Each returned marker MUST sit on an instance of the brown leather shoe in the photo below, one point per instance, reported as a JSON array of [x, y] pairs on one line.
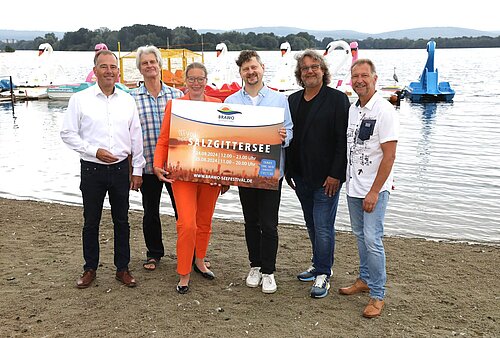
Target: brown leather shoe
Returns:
[[374, 308], [358, 287], [126, 278], [86, 279]]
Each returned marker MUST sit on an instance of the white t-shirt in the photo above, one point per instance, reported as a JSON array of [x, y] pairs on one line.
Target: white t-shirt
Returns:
[[368, 127]]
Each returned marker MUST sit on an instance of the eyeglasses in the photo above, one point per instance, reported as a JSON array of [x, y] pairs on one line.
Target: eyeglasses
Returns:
[[314, 68], [196, 79]]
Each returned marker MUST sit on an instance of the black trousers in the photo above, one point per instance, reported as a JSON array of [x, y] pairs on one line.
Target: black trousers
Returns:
[[96, 181], [151, 224], [260, 210]]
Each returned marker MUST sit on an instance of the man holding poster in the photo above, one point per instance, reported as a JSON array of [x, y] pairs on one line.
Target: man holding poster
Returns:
[[260, 206]]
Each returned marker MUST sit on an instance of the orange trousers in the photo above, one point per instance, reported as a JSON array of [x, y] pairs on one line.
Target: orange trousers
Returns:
[[195, 207]]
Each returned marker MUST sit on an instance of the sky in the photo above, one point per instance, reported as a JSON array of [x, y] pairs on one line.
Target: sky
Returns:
[[366, 16]]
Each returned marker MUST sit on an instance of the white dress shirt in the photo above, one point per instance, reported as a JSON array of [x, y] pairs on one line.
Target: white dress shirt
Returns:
[[94, 120]]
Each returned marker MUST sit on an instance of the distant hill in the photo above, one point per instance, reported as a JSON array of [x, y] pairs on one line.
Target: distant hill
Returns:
[[284, 31], [434, 32], [413, 34], [25, 35]]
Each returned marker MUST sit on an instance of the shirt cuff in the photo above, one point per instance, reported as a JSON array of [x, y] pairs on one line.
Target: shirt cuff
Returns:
[[137, 171], [92, 151]]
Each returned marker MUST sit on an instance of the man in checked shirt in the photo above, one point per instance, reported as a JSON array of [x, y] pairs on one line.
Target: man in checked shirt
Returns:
[[151, 98]]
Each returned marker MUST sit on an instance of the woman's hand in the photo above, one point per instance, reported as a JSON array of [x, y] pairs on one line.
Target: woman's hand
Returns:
[[162, 175]]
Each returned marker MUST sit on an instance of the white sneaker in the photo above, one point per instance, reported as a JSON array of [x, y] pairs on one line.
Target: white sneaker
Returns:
[[254, 277], [268, 283]]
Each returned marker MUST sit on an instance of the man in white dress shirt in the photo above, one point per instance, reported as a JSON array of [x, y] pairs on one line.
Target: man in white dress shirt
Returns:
[[102, 125]]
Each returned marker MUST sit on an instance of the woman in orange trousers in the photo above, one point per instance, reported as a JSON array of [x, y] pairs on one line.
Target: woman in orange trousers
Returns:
[[195, 201]]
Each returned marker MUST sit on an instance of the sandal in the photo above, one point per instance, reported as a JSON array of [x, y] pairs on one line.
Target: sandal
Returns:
[[151, 263]]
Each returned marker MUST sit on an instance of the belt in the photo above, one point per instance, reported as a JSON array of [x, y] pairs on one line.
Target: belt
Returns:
[[99, 166]]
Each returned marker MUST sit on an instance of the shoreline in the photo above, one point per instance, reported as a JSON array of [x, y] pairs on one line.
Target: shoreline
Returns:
[[434, 288], [285, 225]]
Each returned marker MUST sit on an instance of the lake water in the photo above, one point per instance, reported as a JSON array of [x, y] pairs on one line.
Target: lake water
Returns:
[[447, 172]]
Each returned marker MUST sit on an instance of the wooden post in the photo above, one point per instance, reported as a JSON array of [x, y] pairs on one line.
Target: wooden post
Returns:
[[12, 97]]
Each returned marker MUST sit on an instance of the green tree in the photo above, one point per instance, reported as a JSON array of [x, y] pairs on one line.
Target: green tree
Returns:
[[210, 40], [313, 43], [233, 38], [298, 43], [185, 37], [51, 38], [146, 39], [134, 36], [79, 40], [266, 41], [127, 35]]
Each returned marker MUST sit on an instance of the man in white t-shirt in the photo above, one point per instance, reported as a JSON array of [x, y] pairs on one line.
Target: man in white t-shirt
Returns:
[[372, 136]]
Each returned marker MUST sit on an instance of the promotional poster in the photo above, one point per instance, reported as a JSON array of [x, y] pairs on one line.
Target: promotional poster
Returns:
[[228, 144]]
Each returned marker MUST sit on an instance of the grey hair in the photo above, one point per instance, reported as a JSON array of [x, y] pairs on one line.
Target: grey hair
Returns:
[[148, 50], [103, 52], [369, 62], [316, 57], [194, 65]]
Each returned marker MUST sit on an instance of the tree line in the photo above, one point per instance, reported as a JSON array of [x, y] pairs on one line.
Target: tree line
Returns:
[[132, 37]]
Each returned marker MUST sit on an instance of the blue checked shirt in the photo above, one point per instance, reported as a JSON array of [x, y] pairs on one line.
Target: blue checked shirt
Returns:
[[151, 112]]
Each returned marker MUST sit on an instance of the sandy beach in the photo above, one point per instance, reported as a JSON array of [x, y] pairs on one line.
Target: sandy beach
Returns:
[[434, 289]]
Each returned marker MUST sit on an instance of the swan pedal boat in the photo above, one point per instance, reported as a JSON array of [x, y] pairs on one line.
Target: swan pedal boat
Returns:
[[393, 94]]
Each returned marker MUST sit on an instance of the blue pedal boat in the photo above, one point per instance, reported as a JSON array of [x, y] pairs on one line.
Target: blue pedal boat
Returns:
[[427, 89]]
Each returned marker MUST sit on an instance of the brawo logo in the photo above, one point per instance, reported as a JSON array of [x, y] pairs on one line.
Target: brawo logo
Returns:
[[226, 113]]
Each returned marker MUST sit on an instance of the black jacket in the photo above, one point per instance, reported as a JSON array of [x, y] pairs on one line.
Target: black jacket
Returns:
[[323, 138]]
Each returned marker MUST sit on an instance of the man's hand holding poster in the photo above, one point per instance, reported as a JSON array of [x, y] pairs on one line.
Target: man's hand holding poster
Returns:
[[227, 144]]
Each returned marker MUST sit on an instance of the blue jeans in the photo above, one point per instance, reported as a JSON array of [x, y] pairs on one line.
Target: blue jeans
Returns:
[[368, 227], [319, 211], [96, 181]]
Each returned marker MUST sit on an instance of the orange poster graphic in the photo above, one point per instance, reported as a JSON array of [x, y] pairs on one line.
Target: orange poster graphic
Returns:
[[225, 144]]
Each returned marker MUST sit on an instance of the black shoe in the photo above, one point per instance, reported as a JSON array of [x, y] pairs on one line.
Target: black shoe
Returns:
[[182, 289], [205, 260], [208, 275]]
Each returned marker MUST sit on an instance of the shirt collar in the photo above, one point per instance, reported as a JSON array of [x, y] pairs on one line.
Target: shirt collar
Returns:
[[187, 96], [143, 91], [262, 92], [369, 105], [98, 91]]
